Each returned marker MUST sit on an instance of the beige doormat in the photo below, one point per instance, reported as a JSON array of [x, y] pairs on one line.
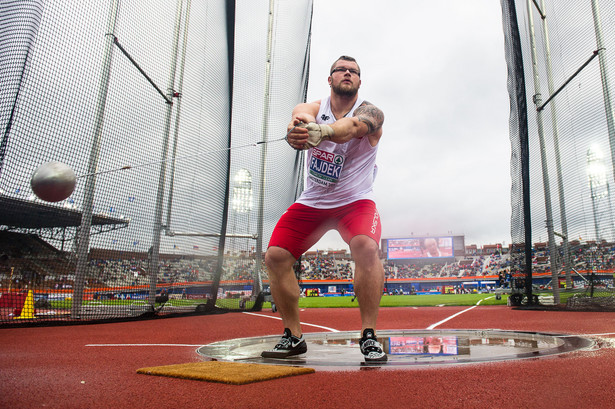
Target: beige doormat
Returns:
[[225, 372]]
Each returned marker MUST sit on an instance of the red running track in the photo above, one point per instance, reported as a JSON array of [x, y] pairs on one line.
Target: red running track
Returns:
[[57, 367]]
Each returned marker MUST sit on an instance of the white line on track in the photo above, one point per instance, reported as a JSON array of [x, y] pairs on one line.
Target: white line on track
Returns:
[[302, 323], [432, 326], [200, 345], [143, 345], [325, 328]]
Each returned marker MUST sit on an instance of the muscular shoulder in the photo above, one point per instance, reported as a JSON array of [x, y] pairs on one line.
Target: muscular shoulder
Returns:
[[370, 115], [310, 108]]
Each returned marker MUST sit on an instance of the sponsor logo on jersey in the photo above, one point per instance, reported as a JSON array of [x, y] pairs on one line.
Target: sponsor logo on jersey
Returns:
[[325, 167]]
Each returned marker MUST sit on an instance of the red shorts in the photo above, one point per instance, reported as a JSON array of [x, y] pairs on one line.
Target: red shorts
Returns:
[[301, 226]]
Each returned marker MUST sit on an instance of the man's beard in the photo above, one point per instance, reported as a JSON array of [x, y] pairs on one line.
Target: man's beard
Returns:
[[344, 91]]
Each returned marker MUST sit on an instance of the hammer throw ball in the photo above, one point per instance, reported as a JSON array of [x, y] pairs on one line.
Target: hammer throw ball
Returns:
[[53, 181]]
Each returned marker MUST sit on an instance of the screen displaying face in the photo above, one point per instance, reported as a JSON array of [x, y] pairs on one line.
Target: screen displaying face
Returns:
[[444, 345], [422, 247]]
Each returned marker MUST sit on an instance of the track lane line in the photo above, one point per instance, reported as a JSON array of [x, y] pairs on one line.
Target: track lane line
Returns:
[[432, 326], [302, 323], [200, 345], [143, 345], [586, 335]]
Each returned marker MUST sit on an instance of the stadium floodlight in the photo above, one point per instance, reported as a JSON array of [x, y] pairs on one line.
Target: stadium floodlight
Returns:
[[241, 202], [596, 171], [598, 183], [242, 191], [242, 198], [595, 166]]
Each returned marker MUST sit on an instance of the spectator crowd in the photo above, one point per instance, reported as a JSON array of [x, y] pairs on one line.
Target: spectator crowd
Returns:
[[35, 263]]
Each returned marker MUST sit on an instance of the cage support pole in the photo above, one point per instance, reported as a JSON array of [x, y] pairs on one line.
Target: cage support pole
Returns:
[[83, 237], [558, 162], [608, 106], [180, 87], [258, 286], [543, 160], [154, 252]]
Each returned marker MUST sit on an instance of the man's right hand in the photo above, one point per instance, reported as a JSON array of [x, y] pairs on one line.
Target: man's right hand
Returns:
[[297, 136], [316, 133]]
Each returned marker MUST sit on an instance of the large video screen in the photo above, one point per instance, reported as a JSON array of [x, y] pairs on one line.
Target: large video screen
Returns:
[[446, 345], [420, 247]]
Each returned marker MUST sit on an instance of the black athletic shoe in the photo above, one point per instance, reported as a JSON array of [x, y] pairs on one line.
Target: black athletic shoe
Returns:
[[289, 345], [371, 348]]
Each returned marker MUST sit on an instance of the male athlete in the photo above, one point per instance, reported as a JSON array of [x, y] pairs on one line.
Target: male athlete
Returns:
[[341, 134]]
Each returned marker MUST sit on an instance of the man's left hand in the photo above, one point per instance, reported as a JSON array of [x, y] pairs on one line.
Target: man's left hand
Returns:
[[316, 133]]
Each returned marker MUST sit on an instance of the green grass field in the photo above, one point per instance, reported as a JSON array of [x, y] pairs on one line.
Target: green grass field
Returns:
[[427, 300], [329, 302]]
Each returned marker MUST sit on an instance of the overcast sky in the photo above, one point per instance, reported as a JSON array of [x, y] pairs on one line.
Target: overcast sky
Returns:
[[437, 70]]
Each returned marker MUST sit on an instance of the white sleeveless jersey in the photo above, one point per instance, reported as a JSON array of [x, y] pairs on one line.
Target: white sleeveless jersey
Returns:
[[339, 174]]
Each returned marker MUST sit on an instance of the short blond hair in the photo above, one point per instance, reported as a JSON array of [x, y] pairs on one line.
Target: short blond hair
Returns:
[[344, 58]]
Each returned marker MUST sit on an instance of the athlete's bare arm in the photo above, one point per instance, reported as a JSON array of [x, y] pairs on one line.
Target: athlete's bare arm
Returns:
[[306, 113], [367, 121]]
